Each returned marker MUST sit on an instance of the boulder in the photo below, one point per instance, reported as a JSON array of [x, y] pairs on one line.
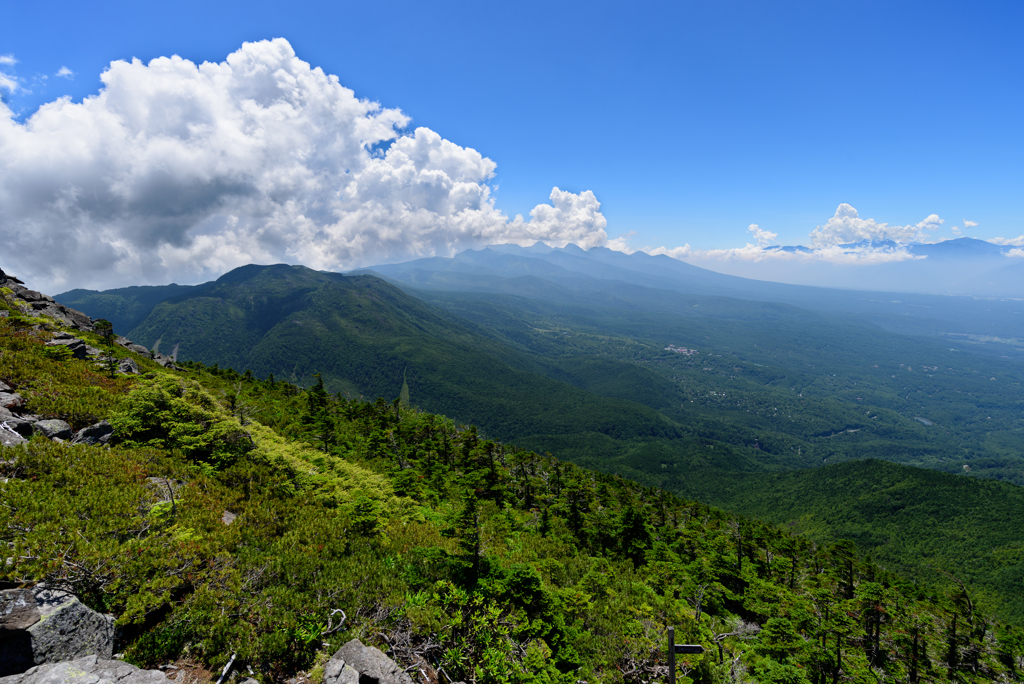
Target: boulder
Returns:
[[18, 610], [30, 295], [4, 387], [100, 433], [11, 400], [64, 315], [52, 429], [368, 664], [10, 438], [21, 424], [139, 349], [128, 367], [7, 279], [88, 670], [76, 346], [66, 629], [336, 671]]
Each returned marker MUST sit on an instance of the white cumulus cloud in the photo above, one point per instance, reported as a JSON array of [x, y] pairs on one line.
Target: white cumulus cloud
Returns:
[[764, 238], [1016, 242], [847, 227], [180, 171], [834, 242], [64, 72]]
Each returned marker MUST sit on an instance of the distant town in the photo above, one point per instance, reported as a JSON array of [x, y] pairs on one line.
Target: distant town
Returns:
[[681, 350]]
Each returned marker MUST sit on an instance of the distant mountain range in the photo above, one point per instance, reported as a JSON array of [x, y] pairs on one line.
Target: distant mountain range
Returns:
[[640, 279], [963, 266]]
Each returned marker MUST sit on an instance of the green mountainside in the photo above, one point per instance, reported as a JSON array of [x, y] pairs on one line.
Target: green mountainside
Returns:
[[125, 307], [580, 369], [917, 522], [464, 557], [366, 338]]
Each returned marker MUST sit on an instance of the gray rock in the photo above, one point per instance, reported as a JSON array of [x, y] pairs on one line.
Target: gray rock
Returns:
[[372, 666], [52, 429], [228, 517], [11, 400], [10, 438], [337, 672], [18, 610], [140, 350], [128, 367], [64, 315], [88, 670], [92, 351], [5, 314], [22, 425], [100, 433], [76, 346], [4, 387], [66, 629], [6, 279]]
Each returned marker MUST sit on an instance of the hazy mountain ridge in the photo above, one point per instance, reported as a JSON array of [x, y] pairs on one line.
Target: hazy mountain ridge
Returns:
[[979, 268]]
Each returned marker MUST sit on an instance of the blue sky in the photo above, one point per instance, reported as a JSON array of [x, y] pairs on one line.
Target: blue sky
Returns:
[[688, 122]]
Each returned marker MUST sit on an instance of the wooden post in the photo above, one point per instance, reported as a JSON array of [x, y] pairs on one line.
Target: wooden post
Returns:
[[671, 655]]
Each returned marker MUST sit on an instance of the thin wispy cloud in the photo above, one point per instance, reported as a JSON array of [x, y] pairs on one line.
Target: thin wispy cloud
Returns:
[[181, 171], [8, 81]]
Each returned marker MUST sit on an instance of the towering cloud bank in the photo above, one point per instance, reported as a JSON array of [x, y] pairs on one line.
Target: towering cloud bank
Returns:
[[182, 171], [846, 227]]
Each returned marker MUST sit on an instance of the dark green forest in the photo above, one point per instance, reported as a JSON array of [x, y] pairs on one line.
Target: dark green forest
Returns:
[[464, 556]]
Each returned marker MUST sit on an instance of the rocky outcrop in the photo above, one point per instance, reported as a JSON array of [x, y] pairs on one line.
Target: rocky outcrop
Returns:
[[18, 610], [33, 303], [100, 433], [8, 437], [132, 347], [11, 400], [43, 625], [128, 367], [53, 429], [355, 663], [87, 670], [78, 348]]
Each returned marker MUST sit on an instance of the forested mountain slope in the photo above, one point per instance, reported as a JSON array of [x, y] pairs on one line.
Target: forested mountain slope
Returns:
[[368, 338], [583, 372], [464, 557], [918, 522]]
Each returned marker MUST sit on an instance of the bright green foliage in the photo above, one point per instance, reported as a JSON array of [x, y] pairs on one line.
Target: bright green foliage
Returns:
[[52, 383], [169, 413]]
